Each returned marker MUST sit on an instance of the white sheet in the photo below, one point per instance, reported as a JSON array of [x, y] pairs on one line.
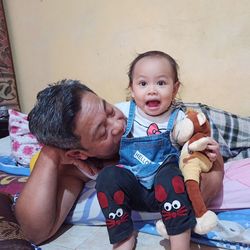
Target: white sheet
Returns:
[[5, 146]]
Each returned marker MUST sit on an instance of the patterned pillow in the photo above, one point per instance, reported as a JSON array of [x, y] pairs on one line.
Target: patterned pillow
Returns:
[[11, 236], [23, 144]]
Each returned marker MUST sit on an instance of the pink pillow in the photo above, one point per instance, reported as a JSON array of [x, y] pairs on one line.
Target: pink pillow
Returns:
[[23, 144], [236, 186]]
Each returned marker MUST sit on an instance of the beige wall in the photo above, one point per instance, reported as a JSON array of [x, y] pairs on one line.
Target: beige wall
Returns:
[[95, 40]]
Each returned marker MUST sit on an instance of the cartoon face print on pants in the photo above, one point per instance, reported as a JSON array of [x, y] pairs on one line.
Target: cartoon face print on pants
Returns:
[[117, 215], [171, 208]]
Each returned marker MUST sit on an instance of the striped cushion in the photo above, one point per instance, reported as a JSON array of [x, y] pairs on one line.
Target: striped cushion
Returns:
[[231, 131]]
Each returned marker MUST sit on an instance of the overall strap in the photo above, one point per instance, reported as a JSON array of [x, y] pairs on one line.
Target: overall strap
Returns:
[[130, 120], [172, 119]]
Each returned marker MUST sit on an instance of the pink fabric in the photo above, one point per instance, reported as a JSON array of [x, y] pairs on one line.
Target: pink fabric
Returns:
[[23, 144], [236, 187]]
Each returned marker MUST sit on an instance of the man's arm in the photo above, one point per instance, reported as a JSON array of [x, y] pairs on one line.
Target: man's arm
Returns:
[[48, 196]]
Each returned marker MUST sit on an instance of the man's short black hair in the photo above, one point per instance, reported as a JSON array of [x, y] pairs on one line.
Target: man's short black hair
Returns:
[[52, 119]]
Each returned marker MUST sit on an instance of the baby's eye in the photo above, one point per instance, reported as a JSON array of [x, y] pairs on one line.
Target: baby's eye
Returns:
[[142, 83], [161, 83]]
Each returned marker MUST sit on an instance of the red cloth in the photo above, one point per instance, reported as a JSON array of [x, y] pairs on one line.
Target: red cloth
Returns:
[[11, 184]]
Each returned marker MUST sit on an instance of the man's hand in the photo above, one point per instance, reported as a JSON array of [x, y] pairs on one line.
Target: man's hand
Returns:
[[213, 150], [211, 182], [89, 167]]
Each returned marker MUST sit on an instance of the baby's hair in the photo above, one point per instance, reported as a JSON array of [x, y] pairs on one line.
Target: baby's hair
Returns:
[[153, 53]]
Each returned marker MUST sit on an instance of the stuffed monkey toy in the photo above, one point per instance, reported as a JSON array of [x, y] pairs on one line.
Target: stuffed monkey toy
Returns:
[[193, 133]]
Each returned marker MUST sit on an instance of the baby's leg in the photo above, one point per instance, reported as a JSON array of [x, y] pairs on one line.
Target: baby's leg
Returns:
[[127, 244], [115, 189], [180, 241], [175, 207]]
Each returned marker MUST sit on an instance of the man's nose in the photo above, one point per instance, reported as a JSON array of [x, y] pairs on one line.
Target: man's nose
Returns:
[[117, 125]]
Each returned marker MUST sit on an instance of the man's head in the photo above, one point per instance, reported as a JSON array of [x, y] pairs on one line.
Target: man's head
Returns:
[[70, 116]]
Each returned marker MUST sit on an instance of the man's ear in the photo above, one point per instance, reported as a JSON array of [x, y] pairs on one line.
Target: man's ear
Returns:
[[77, 154]]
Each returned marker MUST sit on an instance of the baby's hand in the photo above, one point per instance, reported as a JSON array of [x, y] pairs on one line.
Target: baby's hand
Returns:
[[213, 150]]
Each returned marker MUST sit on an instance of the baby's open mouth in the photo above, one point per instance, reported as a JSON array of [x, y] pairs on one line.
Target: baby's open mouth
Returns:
[[153, 103]]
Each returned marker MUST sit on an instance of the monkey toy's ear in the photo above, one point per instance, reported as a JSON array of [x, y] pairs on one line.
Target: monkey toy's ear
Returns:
[[201, 118], [183, 131]]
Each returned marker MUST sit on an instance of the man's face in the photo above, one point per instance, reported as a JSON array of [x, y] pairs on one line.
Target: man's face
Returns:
[[100, 126]]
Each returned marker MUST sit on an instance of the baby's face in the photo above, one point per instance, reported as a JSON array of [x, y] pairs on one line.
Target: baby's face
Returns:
[[100, 126], [153, 87]]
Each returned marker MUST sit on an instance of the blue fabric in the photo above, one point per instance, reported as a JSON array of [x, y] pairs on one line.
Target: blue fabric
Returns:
[[9, 165], [232, 232], [144, 155]]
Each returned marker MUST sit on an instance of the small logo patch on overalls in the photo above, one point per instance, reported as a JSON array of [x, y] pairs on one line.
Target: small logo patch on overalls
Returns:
[[141, 158]]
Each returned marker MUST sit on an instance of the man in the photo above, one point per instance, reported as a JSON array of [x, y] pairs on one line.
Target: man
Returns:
[[77, 128]]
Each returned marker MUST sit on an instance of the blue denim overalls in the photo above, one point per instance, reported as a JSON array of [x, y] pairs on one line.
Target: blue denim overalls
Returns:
[[144, 155]]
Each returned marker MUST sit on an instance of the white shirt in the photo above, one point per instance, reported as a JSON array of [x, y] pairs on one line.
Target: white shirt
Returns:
[[142, 121]]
